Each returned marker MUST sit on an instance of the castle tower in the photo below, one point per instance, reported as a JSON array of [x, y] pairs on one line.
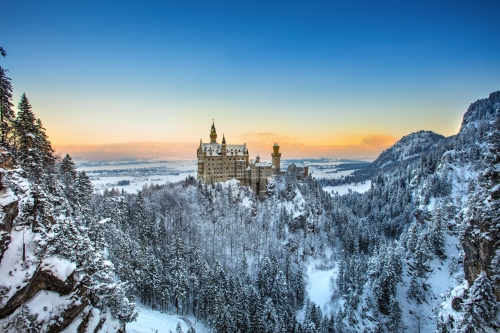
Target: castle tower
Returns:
[[306, 169], [213, 134], [276, 159], [223, 145]]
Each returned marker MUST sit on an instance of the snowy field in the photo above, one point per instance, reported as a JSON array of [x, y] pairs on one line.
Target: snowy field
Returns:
[[319, 285], [149, 321], [343, 189], [99, 174]]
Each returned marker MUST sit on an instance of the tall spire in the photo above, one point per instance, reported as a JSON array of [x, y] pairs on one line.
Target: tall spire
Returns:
[[213, 133], [223, 139]]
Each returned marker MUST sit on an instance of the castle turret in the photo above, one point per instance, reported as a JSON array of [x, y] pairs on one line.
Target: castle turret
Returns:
[[223, 145], [276, 159], [306, 169], [213, 134]]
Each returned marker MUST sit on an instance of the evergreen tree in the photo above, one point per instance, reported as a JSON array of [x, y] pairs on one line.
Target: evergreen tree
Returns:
[[178, 271], [394, 322], [480, 307], [6, 111], [25, 127], [269, 317], [436, 232], [223, 321], [69, 176], [84, 191]]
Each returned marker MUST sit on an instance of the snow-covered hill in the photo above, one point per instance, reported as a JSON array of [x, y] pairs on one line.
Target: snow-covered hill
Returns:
[[410, 146]]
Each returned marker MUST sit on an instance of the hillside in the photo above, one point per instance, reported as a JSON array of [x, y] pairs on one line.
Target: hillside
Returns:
[[408, 147], [405, 150], [53, 276]]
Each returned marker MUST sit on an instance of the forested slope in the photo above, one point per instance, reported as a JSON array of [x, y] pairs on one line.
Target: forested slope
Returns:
[[52, 277]]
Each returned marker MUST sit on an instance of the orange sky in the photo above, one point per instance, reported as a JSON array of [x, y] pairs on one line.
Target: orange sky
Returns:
[[369, 146]]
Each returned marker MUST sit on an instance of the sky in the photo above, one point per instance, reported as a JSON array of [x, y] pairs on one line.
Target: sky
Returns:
[[145, 79]]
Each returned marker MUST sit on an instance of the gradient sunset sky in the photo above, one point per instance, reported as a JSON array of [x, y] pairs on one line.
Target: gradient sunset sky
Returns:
[[117, 79]]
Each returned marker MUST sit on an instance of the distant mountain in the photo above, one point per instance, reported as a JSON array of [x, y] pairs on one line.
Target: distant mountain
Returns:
[[482, 109], [409, 147]]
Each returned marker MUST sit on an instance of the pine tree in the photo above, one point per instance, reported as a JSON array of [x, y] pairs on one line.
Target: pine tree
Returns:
[[411, 238], [178, 271], [28, 144], [395, 314], [223, 321], [69, 175], [6, 111], [67, 170], [26, 129], [480, 307], [269, 317], [421, 268], [280, 292], [84, 191], [436, 232], [45, 147]]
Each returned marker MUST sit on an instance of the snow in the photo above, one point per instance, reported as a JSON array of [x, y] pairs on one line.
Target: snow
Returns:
[[343, 189], [94, 320], [60, 268], [150, 320], [73, 327], [319, 285], [111, 324], [440, 281], [7, 197], [15, 273], [48, 303], [179, 171]]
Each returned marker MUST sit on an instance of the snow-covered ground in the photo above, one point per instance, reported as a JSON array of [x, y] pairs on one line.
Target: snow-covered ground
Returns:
[[328, 169], [343, 189], [178, 170], [319, 285], [149, 321], [137, 183]]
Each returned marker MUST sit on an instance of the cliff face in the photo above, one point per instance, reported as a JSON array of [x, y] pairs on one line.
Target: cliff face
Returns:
[[481, 240], [44, 286], [479, 253], [482, 109]]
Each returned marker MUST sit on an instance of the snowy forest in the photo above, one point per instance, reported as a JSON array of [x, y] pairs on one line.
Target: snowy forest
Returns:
[[418, 252]]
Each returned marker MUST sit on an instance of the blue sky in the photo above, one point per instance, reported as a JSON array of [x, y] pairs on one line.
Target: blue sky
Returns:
[[316, 73]]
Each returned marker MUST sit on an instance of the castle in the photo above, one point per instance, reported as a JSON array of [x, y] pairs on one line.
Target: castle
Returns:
[[221, 162]]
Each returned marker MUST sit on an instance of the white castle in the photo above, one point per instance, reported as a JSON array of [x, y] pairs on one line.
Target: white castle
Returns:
[[218, 162]]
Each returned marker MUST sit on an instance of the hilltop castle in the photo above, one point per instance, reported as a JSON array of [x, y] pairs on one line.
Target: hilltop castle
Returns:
[[221, 162]]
